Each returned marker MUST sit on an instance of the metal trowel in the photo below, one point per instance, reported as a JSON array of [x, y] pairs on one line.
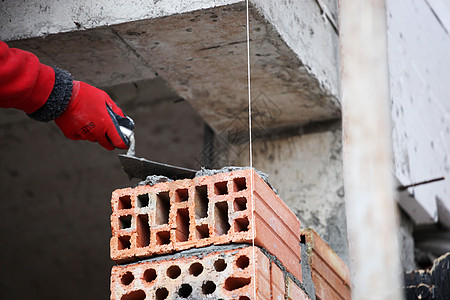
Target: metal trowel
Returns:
[[141, 168]]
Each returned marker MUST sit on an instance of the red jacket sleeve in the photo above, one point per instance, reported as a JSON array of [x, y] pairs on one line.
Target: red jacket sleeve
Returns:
[[25, 83]]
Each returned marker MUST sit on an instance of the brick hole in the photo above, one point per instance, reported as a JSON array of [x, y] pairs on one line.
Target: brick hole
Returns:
[[239, 184], [202, 231], [135, 295], [244, 298], [220, 188], [201, 201], [173, 272], [163, 237], [234, 283], [125, 222], [302, 239], [240, 204], [143, 231], [125, 202], [150, 275], [221, 218], [208, 287], [124, 242], [196, 269], [162, 208], [127, 278], [143, 200], [185, 290], [161, 294], [181, 195], [241, 224], [220, 265], [243, 262], [182, 230]]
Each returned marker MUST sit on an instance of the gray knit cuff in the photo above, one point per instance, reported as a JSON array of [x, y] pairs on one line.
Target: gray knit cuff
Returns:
[[59, 98]]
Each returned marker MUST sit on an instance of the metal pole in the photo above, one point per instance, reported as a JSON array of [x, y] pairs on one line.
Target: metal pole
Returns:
[[367, 151]]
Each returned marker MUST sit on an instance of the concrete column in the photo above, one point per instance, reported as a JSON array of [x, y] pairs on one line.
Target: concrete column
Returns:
[[367, 151]]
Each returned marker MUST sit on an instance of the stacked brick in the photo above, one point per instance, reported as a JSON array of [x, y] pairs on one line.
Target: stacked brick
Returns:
[[218, 273], [329, 273], [190, 239]]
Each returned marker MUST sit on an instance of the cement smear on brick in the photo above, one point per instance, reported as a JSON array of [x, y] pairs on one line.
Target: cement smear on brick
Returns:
[[154, 179], [297, 281], [208, 172], [197, 252]]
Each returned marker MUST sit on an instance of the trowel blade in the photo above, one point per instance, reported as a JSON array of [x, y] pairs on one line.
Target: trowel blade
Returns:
[[141, 168]]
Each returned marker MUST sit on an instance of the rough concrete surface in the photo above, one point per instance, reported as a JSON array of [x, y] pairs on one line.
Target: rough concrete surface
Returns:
[[304, 27], [306, 170], [98, 56], [32, 18], [316, 19], [200, 55]]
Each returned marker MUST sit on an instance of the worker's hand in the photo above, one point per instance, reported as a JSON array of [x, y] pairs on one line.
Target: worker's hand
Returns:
[[92, 115]]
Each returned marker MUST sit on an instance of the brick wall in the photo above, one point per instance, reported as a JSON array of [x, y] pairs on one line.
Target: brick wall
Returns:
[[195, 239]]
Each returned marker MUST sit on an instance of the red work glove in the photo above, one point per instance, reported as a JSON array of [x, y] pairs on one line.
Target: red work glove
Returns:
[[92, 115]]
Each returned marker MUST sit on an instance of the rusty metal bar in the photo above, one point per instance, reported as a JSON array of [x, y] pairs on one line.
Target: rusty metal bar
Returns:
[[367, 151]]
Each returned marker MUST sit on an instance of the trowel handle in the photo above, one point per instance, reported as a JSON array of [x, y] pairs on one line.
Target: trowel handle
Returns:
[[130, 136], [126, 131]]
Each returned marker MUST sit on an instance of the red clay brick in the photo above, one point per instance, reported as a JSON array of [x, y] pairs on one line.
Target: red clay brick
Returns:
[[294, 292], [330, 274], [263, 269], [224, 274], [324, 291], [332, 280], [277, 282], [203, 211], [279, 240]]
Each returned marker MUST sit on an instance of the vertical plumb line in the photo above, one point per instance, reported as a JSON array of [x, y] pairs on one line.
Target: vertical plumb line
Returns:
[[367, 151], [250, 147]]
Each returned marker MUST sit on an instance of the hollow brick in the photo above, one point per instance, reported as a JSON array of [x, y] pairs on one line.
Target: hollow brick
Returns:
[[294, 292], [330, 274], [207, 210], [219, 274], [277, 280]]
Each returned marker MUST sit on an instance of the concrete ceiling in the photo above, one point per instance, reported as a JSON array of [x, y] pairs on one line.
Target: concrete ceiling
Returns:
[[200, 56]]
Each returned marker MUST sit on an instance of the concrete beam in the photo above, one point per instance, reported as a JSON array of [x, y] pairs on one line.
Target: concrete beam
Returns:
[[35, 18], [202, 56]]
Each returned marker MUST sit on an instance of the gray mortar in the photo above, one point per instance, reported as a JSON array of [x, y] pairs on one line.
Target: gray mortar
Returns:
[[301, 285], [154, 179], [307, 286], [306, 273], [196, 296], [208, 172], [197, 252]]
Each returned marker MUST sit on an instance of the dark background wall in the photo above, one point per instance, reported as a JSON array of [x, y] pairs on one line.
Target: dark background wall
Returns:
[[55, 198]]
